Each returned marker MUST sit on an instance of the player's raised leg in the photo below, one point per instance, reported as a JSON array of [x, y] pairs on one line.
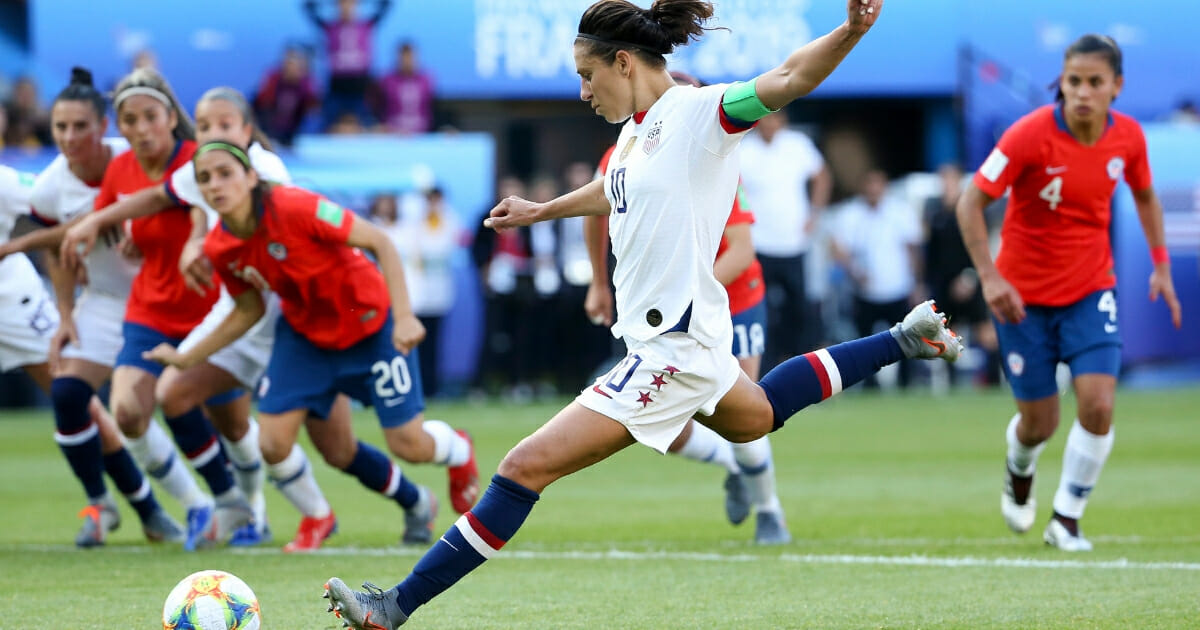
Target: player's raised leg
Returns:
[[575, 438]]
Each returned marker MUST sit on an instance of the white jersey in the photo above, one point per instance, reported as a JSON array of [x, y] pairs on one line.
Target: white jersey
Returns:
[[185, 190], [60, 196], [15, 270], [671, 183]]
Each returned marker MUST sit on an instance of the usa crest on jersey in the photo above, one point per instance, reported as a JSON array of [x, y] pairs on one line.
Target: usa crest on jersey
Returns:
[[653, 137]]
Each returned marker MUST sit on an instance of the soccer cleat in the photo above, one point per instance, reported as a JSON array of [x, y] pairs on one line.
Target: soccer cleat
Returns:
[[1057, 535], [98, 519], [160, 527], [771, 530], [464, 480], [257, 531], [311, 533], [737, 498], [227, 517], [924, 335], [199, 522], [251, 534], [376, 609], [1018, 516], [418, 519]]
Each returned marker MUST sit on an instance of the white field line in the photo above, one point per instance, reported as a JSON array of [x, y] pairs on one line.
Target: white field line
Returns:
[[685, 556]]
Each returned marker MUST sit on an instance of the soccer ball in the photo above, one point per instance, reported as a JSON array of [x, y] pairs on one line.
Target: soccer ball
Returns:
[[211, 600]]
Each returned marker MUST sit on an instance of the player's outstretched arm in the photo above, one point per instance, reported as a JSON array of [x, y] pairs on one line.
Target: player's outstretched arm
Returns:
[[42, 238], [81, 237], [809, 65], [248, 308], [514, 212], [407, 330], [1151, 215], [1001, 297]]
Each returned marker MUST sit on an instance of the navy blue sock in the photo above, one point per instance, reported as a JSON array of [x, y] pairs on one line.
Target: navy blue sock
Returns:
[[77, 436], [374, 470], [196, 438], [813, 377], [473, 538], [130, 481]]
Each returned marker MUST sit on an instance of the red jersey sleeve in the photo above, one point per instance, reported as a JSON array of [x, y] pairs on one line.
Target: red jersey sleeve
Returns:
[[1137, 172], [741, 209], [602, 168], [326, 221], [217, 250], [1008, 159], [107, 195]]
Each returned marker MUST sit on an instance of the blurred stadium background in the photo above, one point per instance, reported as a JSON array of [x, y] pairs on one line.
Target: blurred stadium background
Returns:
[[935, 83]]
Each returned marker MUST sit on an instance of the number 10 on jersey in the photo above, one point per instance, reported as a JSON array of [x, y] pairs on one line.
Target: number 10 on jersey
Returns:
[[616, 189]]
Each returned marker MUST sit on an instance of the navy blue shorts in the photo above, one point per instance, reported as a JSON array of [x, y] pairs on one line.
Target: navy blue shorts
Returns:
[[302, 376], [750, 331], [139, 339], [1083, 335]]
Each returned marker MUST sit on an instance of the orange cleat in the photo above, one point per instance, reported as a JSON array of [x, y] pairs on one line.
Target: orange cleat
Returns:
[[311, 533], [464, 480]]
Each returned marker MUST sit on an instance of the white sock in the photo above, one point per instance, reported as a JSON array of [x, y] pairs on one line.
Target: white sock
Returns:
[[247, 462], [449, 448], [155, 453], [1083, 459], [754, 459], [705, 445], [1021, 459], [293, 476]]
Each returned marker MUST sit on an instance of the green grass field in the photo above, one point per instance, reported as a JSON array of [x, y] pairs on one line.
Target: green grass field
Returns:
[[892, 501]]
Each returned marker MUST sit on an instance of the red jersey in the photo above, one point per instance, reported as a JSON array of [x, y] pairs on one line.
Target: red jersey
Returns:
[[158, 298], [330, 292], [1055, 236], [747, 289]]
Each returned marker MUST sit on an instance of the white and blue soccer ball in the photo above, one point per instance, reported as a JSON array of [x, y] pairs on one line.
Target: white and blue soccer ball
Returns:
[[211, 600]]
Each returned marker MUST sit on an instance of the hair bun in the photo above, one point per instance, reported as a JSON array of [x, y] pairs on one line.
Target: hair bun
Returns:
[[81, 76]]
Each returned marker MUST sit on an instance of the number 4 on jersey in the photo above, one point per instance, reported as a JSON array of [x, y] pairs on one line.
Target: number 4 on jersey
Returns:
[[1052, 193]]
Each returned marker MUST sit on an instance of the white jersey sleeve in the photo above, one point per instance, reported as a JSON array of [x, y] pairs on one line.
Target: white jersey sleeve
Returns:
[[703, 116], [15, 191], [184, 189]]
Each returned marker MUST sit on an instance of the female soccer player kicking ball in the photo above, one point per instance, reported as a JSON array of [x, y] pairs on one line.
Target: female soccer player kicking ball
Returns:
[[1052, 287], [667, 192]]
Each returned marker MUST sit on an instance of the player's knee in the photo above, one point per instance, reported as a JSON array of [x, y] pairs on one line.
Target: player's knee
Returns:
[[335, 455], [274, 450], [1097, 411], [130, 416], [523, 467], [175, 397]]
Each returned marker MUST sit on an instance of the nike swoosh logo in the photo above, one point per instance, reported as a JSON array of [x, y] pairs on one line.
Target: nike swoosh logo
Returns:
[[393, 402], [1055, 170], [596, 388], [1110, 328], [941, 347]]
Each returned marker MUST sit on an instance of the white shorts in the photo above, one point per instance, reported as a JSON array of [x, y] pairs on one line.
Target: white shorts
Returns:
[[28, 320], [246, 359], [98, 318], [660, 384]]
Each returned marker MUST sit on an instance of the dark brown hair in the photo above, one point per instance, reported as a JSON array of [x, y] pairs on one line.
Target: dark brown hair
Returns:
[[81, 88], [611, 25], [1093, 44]]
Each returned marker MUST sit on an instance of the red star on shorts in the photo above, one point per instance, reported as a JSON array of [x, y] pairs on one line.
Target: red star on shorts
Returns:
[[671, 369], [659, 381], [645, 399]]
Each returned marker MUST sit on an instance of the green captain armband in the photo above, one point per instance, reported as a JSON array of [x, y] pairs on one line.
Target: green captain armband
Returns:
[[741, 102]]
